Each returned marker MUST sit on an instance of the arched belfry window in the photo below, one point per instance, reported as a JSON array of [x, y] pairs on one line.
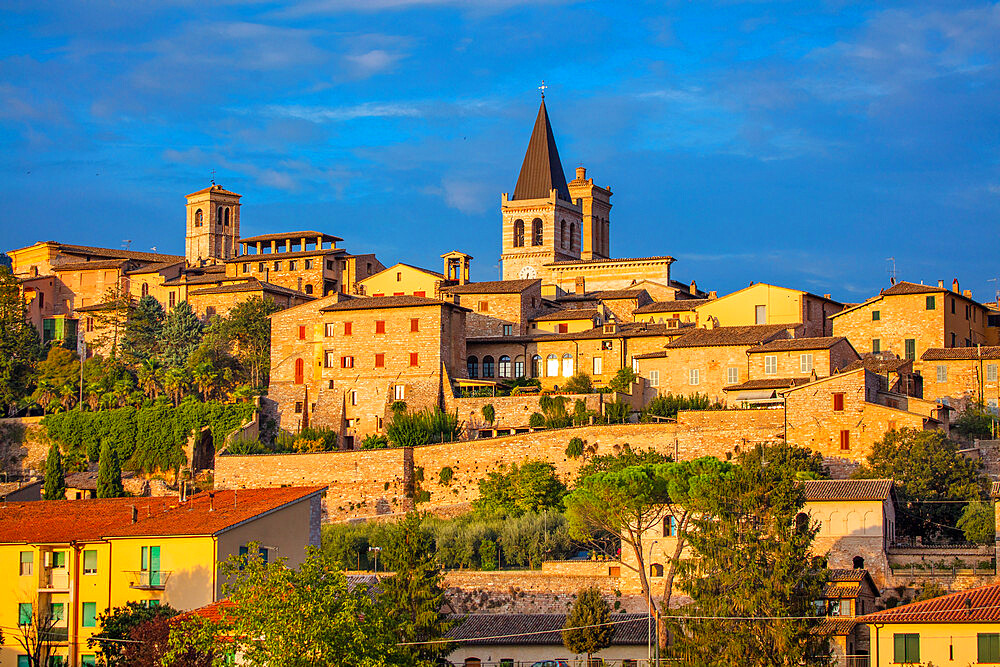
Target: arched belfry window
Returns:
[[218, 216], [519, 233], [199, 218], [572, 236], [562, 234], [145, 289], [226, 218], [536, 231]]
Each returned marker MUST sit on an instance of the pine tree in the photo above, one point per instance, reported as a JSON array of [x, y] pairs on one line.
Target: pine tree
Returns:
[[180, 336], [109, 473], [20, 348], [415, 593], [579, 634], [55, 476]]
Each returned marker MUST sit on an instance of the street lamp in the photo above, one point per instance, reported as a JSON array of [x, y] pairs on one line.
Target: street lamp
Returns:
[[649, 615], [376, 550]]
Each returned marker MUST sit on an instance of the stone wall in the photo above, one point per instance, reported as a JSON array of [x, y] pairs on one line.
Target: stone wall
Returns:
[[23, 445], [716, 432], [511, 411]]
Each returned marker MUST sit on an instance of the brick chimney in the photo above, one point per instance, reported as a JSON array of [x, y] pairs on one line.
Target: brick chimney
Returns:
[[954, 285], [713, 295], [581, 173], [694, 287], [941, 284], [967, 293]]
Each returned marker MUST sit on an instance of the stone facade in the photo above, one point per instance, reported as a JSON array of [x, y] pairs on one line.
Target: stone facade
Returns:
[[498, 308], [821, 361], [960, 377], [404, 280], [213, 225]]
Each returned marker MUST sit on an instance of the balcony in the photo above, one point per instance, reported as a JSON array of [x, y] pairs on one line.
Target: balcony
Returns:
[[148, 580], [55, 579], [56, 634]]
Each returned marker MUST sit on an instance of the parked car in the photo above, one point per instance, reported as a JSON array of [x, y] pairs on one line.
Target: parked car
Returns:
[[551, 663]]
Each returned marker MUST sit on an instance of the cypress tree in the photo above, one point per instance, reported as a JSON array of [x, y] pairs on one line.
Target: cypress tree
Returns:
[[109, 473], [589, 609], [55, 476], [180, 335]]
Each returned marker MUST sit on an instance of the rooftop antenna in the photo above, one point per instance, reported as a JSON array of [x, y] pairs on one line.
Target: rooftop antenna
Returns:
[[542, 88], [153, 248], [996, 294], [126, 243], [213, 173], [892, 270]]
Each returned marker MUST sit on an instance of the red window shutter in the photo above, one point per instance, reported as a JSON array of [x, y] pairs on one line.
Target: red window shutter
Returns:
[[302, 332], [398, 293], [380, 326], [484, 306], [838, 402], [414, 324], [299, 371], [379, 294], [413, 358], [380, 360], [845, 439], [420, 293], [563, 328], [347, 329]]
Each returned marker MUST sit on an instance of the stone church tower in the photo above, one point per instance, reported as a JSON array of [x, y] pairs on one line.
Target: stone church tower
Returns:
[[213, 225], [547, 220]]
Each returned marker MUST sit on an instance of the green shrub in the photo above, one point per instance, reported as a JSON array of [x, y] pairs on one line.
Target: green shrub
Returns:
[[574, 449], [488, 555], [489, 414], [375, 441], [407, 429], [617, 412], [536, 420], [445, 476], [245, 447], [623, 380], [580, 383], [669, 405]]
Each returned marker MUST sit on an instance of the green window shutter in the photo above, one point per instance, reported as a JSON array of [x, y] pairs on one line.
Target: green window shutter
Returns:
[[144, 558], [911, 348], [90, 561], [90, 614], [59, 559], [989, 646], [930, 303], [22, 661], [913, 648], [24, 613], [58, 611], [88, 661], [153, 603], [154, 566]]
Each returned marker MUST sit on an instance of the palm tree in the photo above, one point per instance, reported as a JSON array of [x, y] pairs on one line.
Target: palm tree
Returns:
[[148, 377], [205, 377], [175, 381]]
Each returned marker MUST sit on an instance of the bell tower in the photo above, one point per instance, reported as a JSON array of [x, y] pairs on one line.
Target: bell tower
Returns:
[[213, 225], [541, 221]]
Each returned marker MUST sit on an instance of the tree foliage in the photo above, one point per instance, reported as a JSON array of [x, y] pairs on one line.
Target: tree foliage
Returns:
[[118, 623], [580, 383], [109, 473], [926, 466], [623, 380], [978, 523], [414, 429], [976, 421], [180, 335], [143, 330], [55, 475], [20, 348], [584, 631], [246, 332], [513, 490], [669, 405]]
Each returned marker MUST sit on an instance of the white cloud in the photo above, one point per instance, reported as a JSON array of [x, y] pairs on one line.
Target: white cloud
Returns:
[[320, 114], [372, 62]]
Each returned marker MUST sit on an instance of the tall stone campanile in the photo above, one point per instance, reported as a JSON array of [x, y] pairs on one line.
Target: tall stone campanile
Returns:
[[541, 222], [213, 225]]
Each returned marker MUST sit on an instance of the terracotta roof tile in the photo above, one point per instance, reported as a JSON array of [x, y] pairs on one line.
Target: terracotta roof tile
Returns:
[[251, 285], [492, 287], [792, 344], [726, 336], [85, 266], [670, 306], [837, 626], [976, 605], [904, 287], [629, 629], [60, 521], [603, 295], [385, 302], [119, 254], [878, 365], [568, 314], [767, 383], [848, 489], [961, 353]]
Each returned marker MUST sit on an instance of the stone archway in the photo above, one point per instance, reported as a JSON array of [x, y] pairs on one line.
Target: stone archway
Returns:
[[203, 451]]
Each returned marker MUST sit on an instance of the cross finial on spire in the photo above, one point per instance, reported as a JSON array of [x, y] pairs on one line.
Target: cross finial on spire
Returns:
[[213, 172], [542, 88]]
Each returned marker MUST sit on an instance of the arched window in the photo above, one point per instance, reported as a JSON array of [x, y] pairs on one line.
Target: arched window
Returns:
[[487, 366], [226, 217], [218, 216], [572, 236], [198, 218], [567, 365], [670, 526], [519, 233], [536, 231], [472, 364], [300, 371], [859, 563], [309, 289], [552, 365], [519, 367], [145, 289], [472, 662], [536, 366], [656, 570], [562, 234], [504, 367]]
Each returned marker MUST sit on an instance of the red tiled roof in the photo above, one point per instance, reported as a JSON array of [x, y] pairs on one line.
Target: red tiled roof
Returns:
[[492, 287], [767, 383], [60, 521], [291, 236], [385, 302], [679, 305], [726, 336], [961, 353], [877, 365], [837, 626], [976, 605], [116, 253], [904, 287], [568, 314], [90, 266], [792, 344], [848, 489], [613, 260], [251, 285], [628, 629]]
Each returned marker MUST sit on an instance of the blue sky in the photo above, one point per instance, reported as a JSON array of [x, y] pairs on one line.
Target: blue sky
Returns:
[[799, 143]]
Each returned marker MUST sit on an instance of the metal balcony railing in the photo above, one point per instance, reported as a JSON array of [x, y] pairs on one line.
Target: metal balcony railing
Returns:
[[56, 578], [148, 580]]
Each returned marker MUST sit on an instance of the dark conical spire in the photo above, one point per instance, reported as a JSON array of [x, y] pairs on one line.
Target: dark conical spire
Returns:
[[541, 171]]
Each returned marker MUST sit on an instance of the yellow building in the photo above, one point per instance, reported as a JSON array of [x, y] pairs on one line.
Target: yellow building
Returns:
[[957, 629], [404, 280], [761, 303], [63, 563]]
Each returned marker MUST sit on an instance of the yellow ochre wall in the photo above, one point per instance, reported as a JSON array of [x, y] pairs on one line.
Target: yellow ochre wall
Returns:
[[937, 641]]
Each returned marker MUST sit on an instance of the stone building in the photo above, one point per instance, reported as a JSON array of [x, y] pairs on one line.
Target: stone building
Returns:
[[498, 308], [959, 376], [761, 303], [341, 362]]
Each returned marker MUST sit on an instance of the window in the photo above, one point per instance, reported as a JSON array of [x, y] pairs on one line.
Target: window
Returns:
[[145, 289], [27, 563], [302, 332], [952, 306], [954, 338], [261, 552], [24, 613], [506, 662], [567, 365], [733, 375], [770, 364], [654, 378], [330, 359], [89, 615], [838, 402], [22, 661], [760, 314], [149, 563], [347, 362], [942, 373], [309, 289], [656, 570], [89, 660], [414, 325], [598, 365], [503, 369], [277, 266], [484, 306], [670, 526], [329, 265], [307, 263], [876, 345], [298, 407], [199, 218], [90, 561], [551, 365], [989, 647], [379, 360], [562, 328], [399, 276], [536, 231], [57, 661], [487, 366], [991, 372], [876, 315], [260, 267], [399, 392], [246, 267], [536, 366], [472, 367], [414, 359], [694, 376], [300, 371], [58, 611], [911, 348], [291, 265], [519, 367], [562, 233], [380, 326], [508, 330], [172, 300], [906, 645], [420, 293], [845, 440], [348, 328], [930, 303], [519, 233], [329, 329]]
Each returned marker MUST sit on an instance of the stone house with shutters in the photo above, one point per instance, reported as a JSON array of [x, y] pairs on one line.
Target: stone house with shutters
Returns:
[[959, 376], [808, 314], [498, 308], [341, 362], [684, 310], [847, 595]]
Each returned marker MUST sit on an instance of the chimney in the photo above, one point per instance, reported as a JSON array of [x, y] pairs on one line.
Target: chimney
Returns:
[[713, 295], [694, 287], [581, 173], [135, 514], [941, 284], [967, 293], [827, 296], [581, 285], [954, 285], [211, 501]]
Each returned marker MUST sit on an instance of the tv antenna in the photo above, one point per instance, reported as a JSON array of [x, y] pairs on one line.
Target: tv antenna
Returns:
[[153, 248], [127, 243], [892, 270], [213, 172], [996, 295]]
